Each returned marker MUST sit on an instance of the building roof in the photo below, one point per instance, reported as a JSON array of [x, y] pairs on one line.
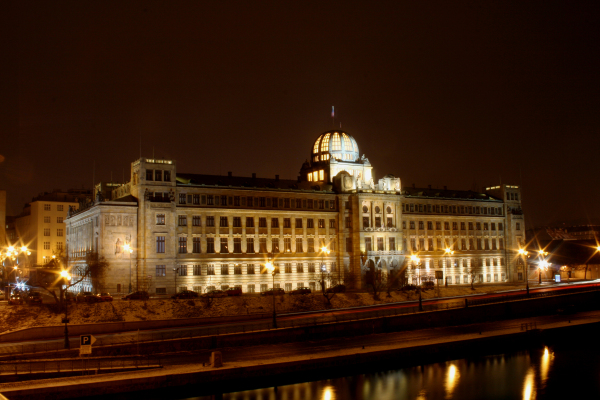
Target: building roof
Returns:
[[446, 194], [246, 182], [336, 143]]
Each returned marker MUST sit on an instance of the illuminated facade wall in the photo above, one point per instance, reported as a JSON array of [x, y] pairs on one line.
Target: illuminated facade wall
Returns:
[[200, 232]]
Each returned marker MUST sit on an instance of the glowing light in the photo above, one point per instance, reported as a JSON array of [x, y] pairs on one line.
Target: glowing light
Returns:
[[24, 249], [11, 249], [321, 175], [546, 363], [415, 259], [269, 266], [448, 251], [65, 275], [328, 393], [451, 380], [522, 252], [528, 389]]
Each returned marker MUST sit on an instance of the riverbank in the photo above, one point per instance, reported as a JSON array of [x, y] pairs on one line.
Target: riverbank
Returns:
[[273, 365]]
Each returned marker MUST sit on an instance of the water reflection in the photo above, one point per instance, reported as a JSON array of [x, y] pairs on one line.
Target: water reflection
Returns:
[[537, 374]]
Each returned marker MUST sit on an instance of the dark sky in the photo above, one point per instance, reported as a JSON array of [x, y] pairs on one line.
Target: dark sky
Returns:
[[443, 93]]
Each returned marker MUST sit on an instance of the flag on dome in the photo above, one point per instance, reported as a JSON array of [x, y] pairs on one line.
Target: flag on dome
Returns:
[[332, 112]]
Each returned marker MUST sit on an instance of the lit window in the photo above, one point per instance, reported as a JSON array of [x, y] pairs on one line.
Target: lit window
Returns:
[[316, 176], [310, 177], [335, 142], [325, 143], [347, 142], [316, 148], [321, 175]]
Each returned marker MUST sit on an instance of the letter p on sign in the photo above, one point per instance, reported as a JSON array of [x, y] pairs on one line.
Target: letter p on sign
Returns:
[[86, 340]]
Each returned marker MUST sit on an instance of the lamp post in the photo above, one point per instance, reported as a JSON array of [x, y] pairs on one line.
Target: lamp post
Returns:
[[128, 248], [543, 263], [447, 252], [65, 277], [523, 254], [417, 262], [324, 250], [271, 268], [11, 253]]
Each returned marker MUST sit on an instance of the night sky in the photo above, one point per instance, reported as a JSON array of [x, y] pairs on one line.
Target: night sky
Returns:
[[462, 94]]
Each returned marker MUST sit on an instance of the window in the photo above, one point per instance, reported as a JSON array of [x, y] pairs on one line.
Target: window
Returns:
[[478, 226], [249, 222], [413, 244], [421, 225], [378, 222], [46, 231], [237, 222], [390, 223], [411, 225], [311, 245], [160, 244], [288, 268], [274, 202], [46, 245], [210, 200], [311, 267], [46, 220], [368, 244], [446, 226], [59, 220], [262, 222], [348, 245], [196, 199], [250, 201], [403, 224], [430, 244], [210, 221], [59, 232], [299, 245], [183, 270], [262, 243], [275, 245], [438, 225], [485, 226], [196, 245], [223, 200], [493, 226], [236, 201], [210, 245], [287, 222], [59, 207], [182, 220], [223, 222], [470, 226], [518, 227], [160, 219], [249, 245], [421, 244], [463, 244], [161, 271], [489, 278], [380, 246], [298, 223], [429, 225], [197, 271], [46, 207], [310, 223], [237, 269], [210, 269], [501, 244], [182, 198], [287, 245], [493, 244], [182, 245], [196, 220], [321, 223], [237, 245], [224, 245], [479, 244], [224, 269], [487, 244], [158, 175], [500, 226]]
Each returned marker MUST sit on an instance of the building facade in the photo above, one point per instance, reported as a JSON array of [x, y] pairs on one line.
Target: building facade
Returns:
[[165, 230]]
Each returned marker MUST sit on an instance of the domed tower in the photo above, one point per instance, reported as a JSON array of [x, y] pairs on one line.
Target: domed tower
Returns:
[[333, 152]]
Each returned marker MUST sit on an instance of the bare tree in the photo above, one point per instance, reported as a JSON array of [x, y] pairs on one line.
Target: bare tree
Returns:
[[377, 280]]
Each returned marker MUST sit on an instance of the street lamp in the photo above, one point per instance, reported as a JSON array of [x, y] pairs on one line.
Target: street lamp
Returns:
[[543, 265], [417, 262], [128, 248], [272, 270], [447, 252], [11, 253], [66, 277], [176, 271], [324, 250], [523, 254]]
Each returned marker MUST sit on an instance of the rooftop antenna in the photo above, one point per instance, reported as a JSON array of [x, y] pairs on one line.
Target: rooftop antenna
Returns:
[[333, 116]]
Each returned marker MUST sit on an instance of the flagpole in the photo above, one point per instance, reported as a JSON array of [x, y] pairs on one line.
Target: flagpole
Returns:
[[333, 117]]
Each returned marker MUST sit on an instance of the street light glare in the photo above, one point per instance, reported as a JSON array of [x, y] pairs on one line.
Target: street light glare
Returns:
[[24, 249]]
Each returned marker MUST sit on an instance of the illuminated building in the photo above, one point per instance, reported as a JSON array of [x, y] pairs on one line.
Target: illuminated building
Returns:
[[216, 232]]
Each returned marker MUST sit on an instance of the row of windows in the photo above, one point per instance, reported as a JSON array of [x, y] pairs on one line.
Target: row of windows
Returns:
[[455, 225], [59, 245], [59, 232], [59, 220], [236, 269], [444, 209], [250, 288], [367, 222], [48, 207], [466, 279], [158, 175], [182, 220], [237, 245], [482, 244], [462, 262], [249, 201]]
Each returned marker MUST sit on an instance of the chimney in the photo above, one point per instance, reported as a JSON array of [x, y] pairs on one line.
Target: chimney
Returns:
[[254, 175], [229, 174], [276, 177]]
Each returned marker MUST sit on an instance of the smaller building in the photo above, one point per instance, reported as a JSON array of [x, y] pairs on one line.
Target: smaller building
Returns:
[[571, 259]]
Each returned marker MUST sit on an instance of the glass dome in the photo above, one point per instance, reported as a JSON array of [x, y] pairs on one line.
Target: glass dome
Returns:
[[335, 144]]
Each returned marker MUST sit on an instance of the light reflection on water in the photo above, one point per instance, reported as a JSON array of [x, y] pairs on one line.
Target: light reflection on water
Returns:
[[522, 375]]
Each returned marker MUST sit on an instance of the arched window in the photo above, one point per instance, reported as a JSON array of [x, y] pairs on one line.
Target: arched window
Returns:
[[325, 143], [336, 145]]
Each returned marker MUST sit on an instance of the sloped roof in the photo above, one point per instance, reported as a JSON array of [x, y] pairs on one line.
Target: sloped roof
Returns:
[[447, 194], [184, 179]]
